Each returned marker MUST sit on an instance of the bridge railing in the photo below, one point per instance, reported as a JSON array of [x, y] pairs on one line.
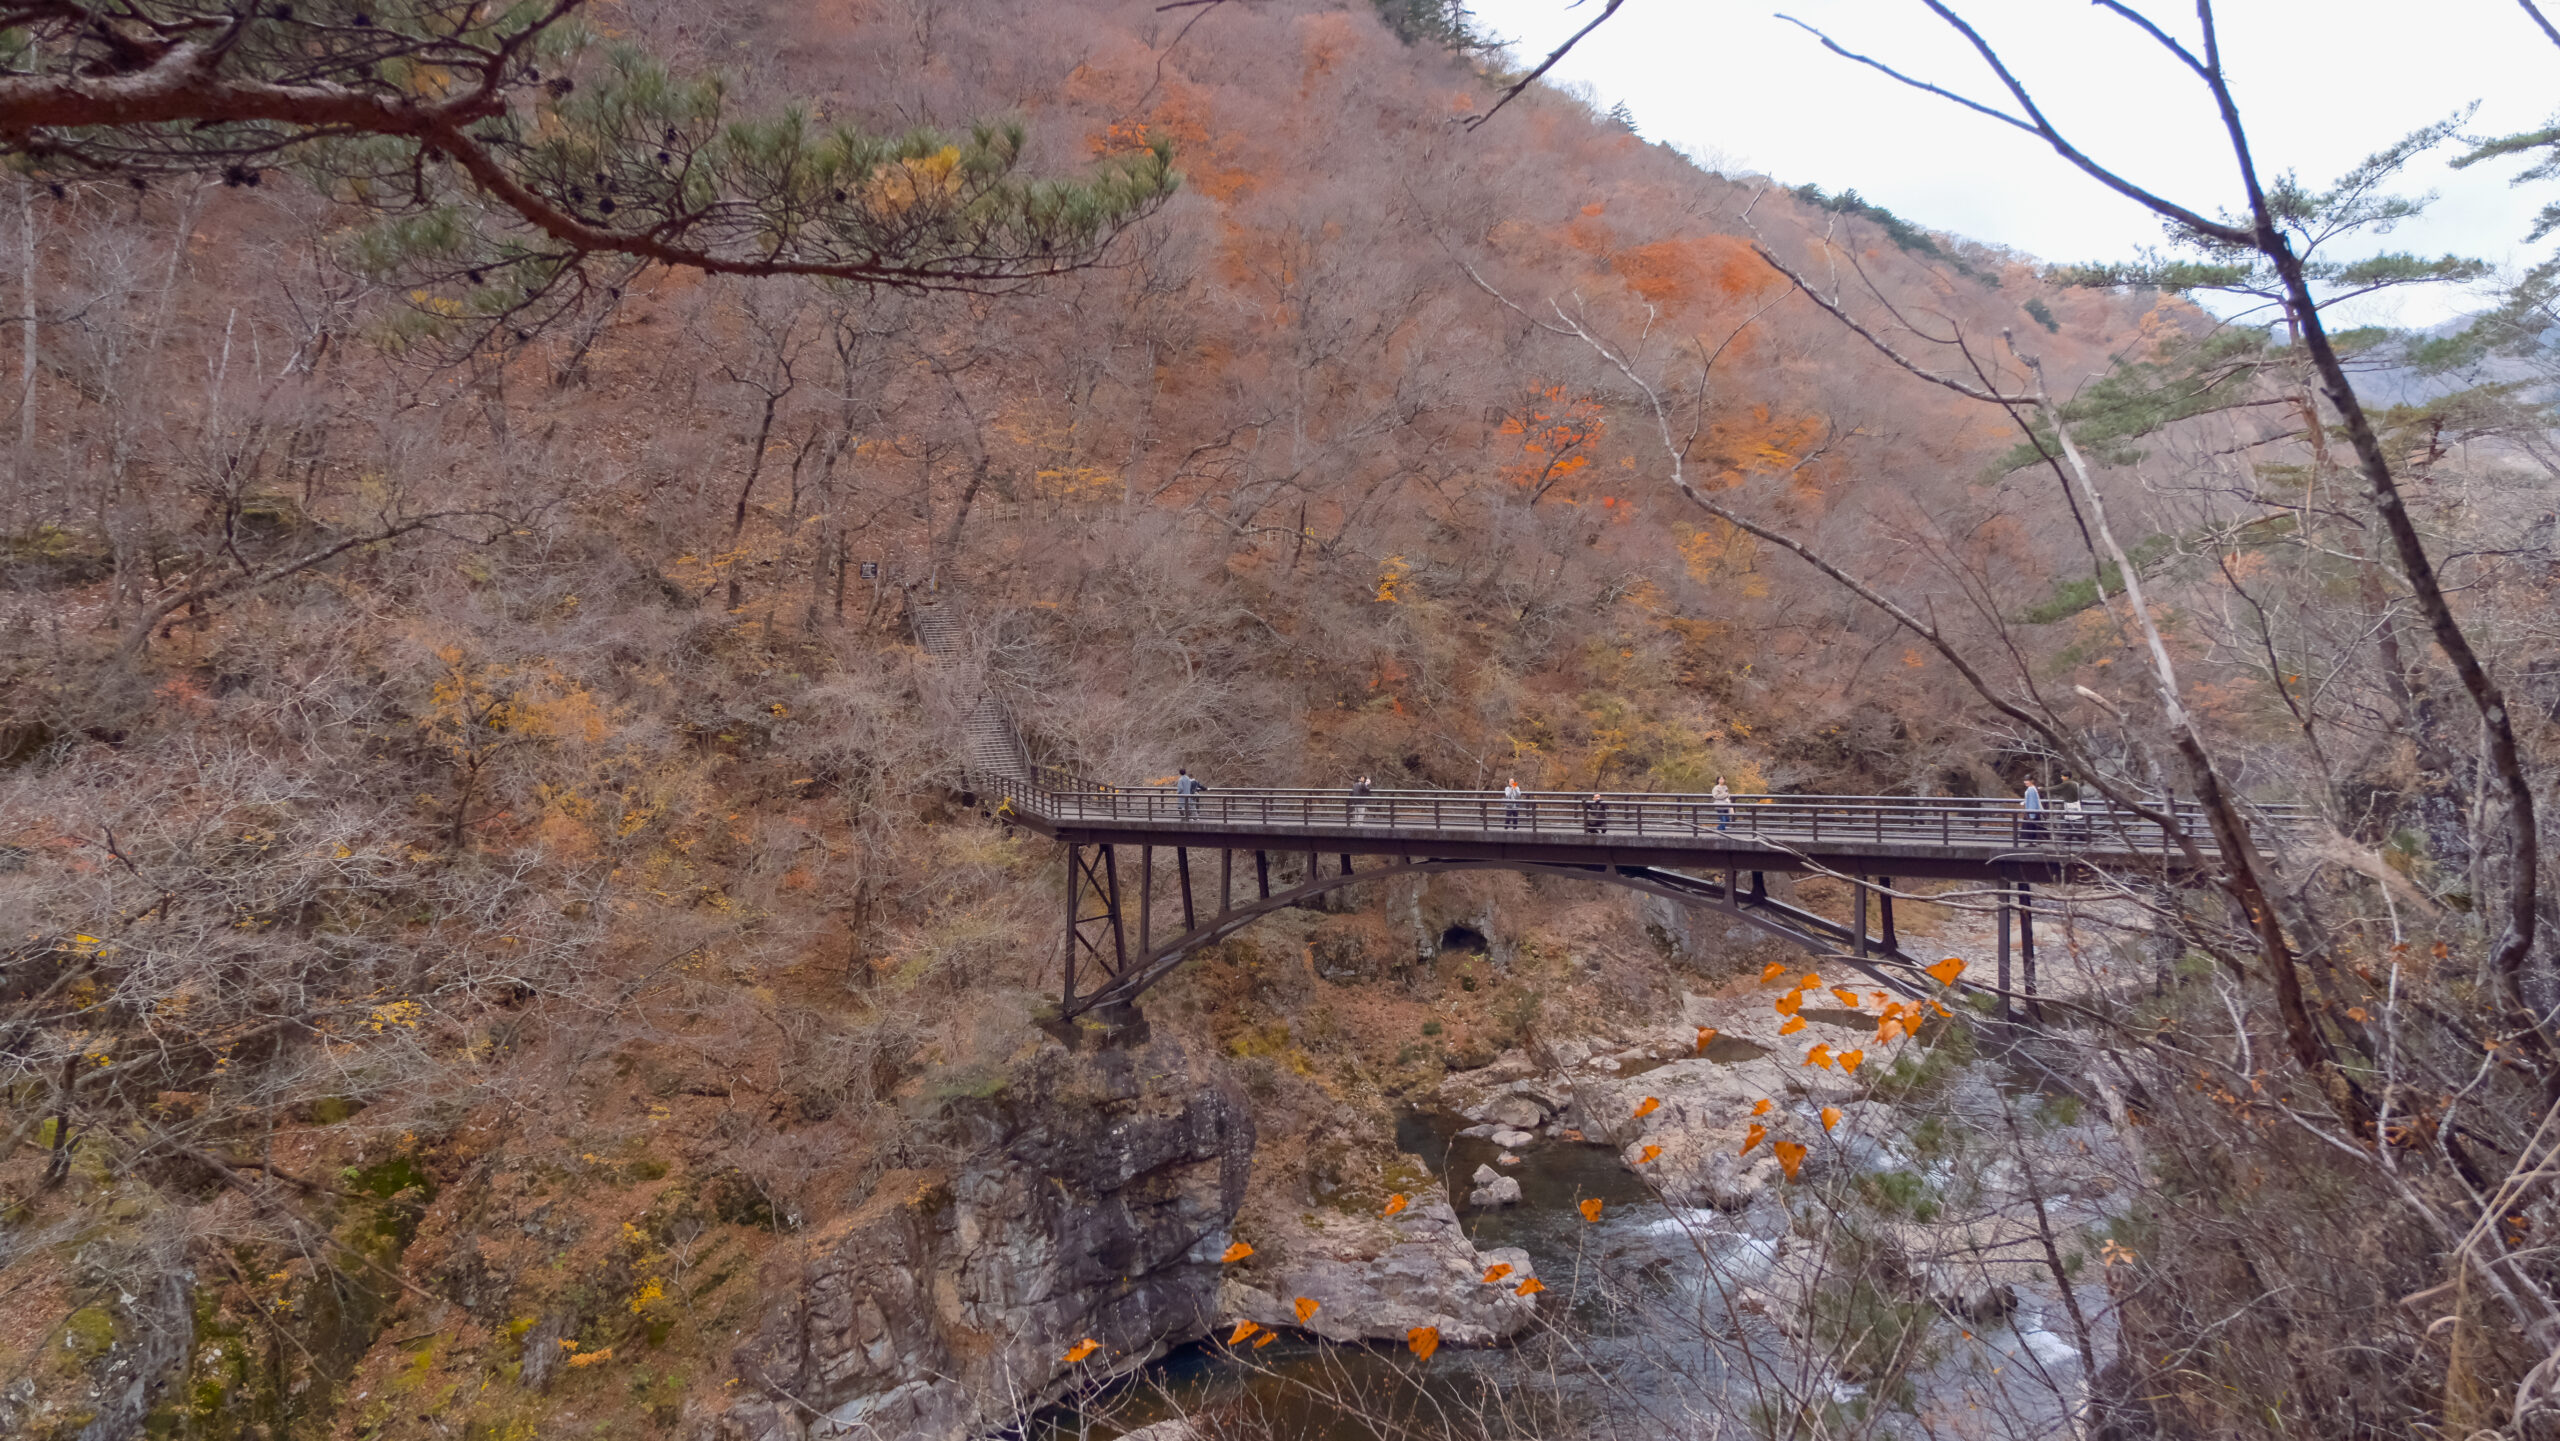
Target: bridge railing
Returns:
[[1780, 821]]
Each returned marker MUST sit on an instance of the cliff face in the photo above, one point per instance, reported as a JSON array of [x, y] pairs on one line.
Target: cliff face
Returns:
[[1094, 1203]]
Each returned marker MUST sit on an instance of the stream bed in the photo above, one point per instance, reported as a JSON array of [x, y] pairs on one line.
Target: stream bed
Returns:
[[1610, 1370]]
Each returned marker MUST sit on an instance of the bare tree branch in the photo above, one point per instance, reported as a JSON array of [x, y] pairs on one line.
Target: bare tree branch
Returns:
[[2548, 30], [1606, 10]]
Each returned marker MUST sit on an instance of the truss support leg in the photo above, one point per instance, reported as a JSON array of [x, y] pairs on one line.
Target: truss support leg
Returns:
[[1226, 880], [1732, 898], [1346, 863], [1860, 920], [1119, 940], [1182, 868], [1884, 902], [1067, 987], [1146, 895], [2027, 948], [1759, 885], [2003, 893], [1262, 872]]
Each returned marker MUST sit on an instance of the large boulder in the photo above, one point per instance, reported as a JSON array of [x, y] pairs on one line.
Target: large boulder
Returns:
[[1376, 1278]]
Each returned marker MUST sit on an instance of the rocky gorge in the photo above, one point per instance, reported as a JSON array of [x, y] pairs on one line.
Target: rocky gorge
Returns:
[[1133, 1199]]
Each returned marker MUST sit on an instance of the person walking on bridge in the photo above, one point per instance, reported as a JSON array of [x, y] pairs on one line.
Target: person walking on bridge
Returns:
[[2031, 815], [1595, 815], [1723, 797], [1187, 791], [1511, 805], [1359, 806]]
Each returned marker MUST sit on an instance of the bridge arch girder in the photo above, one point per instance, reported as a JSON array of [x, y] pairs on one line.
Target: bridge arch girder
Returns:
[[1813, 934]]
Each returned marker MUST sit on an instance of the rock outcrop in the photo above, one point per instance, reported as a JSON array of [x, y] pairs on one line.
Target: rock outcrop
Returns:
[[1492, 1188], [1376, 1278], [1094, 1201]]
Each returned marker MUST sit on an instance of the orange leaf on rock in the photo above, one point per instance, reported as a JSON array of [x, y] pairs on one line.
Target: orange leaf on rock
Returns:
[[1847, 997], [1497, 1272], [1760, 1107], [1591, 1209], [1648, 1106], [1792, 1026], [1830, 1117], [1772, 971], [1395, 1203], [1820, 1055], [1242, 1330], [1790, 1156], [1235, 1253], [1757, 1134], [1786, 1005], [1706, 1034], [1306, 1308], [1810, 981], [2357, 1013], [1849, 1059], [1947, 970], [1650, 1152], [1080, 1350], [1530, 1287], [1265, 1339], [1424, 1340]]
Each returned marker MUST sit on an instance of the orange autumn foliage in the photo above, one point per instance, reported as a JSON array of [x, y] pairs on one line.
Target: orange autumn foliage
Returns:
[[1694, 273]]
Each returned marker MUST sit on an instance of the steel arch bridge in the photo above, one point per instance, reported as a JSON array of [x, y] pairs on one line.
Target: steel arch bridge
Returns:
[[1693, 849]]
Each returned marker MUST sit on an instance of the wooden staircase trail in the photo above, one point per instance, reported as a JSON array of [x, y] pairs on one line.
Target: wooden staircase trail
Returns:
[[992, 747]]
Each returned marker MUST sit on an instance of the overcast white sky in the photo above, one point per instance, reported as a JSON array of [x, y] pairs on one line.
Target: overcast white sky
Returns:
[[2321, 84]]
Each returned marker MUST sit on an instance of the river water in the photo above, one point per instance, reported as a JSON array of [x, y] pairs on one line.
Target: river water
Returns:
[[1619, 1354], [1649, 1329]]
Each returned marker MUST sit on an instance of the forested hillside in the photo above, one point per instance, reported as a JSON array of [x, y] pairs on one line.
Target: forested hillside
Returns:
[[491, 893]]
